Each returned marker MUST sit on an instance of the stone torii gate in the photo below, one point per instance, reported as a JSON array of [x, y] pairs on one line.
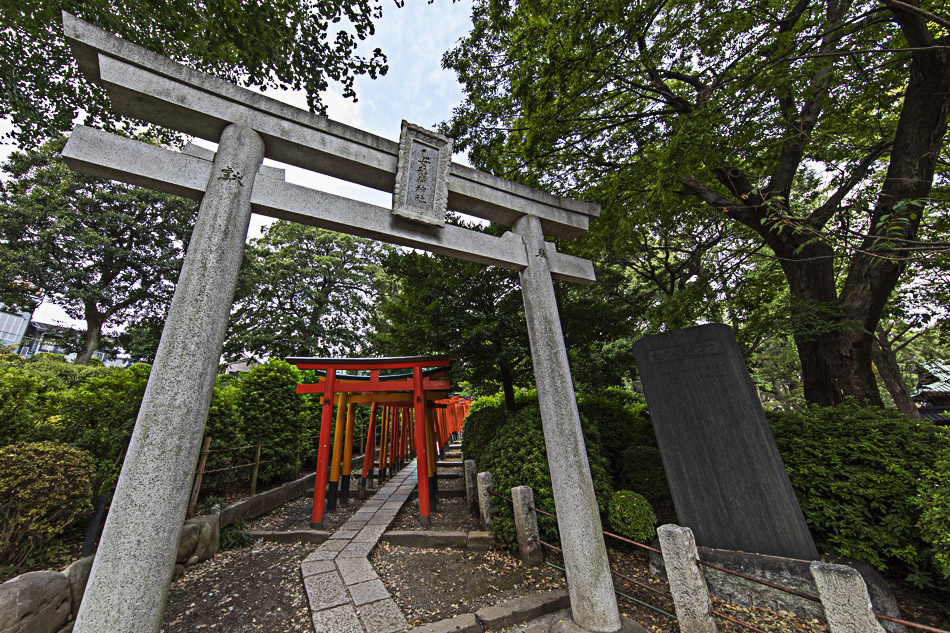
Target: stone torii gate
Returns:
[[128, 586]]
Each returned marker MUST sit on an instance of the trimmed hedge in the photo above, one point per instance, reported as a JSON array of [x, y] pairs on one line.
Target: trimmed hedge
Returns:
[[44, 488], [269, 405], [630, 515], [859, 474], [515, 455]]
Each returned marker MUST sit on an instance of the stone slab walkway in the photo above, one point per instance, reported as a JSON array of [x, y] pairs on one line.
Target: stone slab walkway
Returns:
[[345, 594]]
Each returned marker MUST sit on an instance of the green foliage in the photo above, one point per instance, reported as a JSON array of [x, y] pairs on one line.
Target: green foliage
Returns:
[[103, 250], [44, 488], [304, 291], [271, 407], [616, 424], [481, 427], [516, 456], [98, 416], [857, 473], [224, 427], [235, 536], [281, 44], [642, 470], [630, 515], [445, 305], [934, 504], [19, 390], [720, 146]]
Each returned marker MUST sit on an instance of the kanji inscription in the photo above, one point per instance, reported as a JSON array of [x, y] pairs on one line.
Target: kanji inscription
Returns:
[[421, 191]]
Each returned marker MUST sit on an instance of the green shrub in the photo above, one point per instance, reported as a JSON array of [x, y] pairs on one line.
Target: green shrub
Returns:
[[516, 456], [856, 472], [934, 503], [234, 536], [480, 428], [617, 426], [224, 428], [642, 470], [98, 416], [19, 397], [631, 515], [44, 488], [269, 405]]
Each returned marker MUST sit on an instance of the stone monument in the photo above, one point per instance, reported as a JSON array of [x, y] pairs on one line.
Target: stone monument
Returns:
[[129, 582], [726, 476]]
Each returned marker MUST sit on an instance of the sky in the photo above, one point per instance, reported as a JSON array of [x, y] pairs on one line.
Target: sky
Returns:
[[416, 88]]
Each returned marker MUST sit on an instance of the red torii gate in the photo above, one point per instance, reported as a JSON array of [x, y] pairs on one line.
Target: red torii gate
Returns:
[[415, 383]]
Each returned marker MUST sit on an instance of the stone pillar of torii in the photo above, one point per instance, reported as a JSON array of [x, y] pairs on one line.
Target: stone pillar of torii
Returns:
[[129, 582]]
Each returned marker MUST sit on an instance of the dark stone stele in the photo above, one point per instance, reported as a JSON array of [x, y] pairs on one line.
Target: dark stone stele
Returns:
[[727, 479]]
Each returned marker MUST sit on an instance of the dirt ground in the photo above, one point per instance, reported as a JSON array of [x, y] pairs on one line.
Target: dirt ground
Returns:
[[257, 589]]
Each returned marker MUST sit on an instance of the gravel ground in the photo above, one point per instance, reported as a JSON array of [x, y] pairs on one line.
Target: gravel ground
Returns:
[[257, 589]]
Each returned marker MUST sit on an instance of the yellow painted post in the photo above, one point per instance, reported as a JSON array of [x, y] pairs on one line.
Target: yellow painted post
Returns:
[[432, 458], [383, 442], [347, 455], [334, 486]]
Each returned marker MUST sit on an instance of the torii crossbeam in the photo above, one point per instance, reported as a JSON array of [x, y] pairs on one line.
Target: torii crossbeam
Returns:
[[128, 585]]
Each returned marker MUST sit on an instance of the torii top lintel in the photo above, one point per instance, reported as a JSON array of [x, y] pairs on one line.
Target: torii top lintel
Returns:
[[147, 86], [433, 379]]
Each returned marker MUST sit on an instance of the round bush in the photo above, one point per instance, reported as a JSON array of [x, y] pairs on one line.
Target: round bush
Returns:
[[856, 472], [516, 456], [269, 405], [642, 470], [44, 488], [618, 426], [630, 515]]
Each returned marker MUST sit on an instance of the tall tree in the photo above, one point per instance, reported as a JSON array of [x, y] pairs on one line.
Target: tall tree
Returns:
[[283, 44], [814, 128], [104, 251], [304, 291], [469, 311]]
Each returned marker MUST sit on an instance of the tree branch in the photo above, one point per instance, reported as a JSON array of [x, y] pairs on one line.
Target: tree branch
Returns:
[[741, 213], [820, 216]]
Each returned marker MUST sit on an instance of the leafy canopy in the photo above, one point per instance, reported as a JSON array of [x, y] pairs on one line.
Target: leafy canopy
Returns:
[[280, 44], [102, 250]]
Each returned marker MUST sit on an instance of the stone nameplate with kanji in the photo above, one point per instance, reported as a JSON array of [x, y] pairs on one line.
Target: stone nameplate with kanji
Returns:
[[422, 190]]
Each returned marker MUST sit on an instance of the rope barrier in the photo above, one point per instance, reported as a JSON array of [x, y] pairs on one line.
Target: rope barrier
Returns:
[[218, 470], [628, 597], [800, 594], [739, 622]]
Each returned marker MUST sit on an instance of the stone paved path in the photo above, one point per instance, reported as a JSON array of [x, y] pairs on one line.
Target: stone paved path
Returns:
[[345, 594]]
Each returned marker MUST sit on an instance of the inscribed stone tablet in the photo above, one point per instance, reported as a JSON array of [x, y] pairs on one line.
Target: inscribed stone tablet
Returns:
[[422, 189], [728, 482]]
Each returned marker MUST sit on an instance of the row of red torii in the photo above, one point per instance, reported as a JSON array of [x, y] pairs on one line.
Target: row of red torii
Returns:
[[413, 411]]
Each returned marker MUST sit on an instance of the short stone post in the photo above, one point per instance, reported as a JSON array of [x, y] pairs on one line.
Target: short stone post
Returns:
[[484, 499], [526, 526], [687, 583], [129, 581], [471, 488], [845, 599]]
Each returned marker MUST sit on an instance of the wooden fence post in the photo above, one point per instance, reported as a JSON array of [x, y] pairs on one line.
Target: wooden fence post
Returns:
[[201, 471], [257, 465]]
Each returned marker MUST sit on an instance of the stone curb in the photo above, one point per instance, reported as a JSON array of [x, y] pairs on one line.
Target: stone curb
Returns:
[[293, 536], [496, 617], [523, 609], [426, 540]]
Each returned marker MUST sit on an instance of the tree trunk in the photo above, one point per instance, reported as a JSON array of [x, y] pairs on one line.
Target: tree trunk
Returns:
[[834, 351], [885, 359], [90, 341], [508, 384]]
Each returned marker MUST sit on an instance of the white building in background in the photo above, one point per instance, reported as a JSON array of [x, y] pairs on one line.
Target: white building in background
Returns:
[[13, 326]]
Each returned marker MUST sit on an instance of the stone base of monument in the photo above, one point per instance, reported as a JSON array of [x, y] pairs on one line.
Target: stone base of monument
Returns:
[[567, 625], [792, 573]]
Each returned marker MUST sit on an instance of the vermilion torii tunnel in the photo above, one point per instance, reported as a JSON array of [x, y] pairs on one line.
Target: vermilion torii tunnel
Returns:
[[413, 411]]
